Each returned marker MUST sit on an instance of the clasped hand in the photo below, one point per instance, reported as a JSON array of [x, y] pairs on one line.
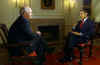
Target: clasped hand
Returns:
[[76, 33]]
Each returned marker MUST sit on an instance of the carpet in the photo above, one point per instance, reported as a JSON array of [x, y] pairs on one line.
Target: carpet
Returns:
[[94, 60], [51, 59]]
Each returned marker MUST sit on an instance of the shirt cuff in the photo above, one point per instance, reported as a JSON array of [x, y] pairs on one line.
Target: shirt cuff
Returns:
[[73, 27], [81, 34]]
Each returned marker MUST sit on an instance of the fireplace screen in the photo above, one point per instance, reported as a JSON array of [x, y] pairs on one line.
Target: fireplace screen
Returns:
[[50, 33]]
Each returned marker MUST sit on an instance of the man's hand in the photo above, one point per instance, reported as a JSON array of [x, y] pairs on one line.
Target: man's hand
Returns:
[[39, 33], [76, 33], [74, 24]]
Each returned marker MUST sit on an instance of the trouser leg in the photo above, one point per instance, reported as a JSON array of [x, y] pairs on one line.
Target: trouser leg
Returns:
[[72, 40]]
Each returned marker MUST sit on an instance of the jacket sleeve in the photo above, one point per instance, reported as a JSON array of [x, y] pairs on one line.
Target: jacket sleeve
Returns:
[[90, 30], [76, 28], [27, 30]]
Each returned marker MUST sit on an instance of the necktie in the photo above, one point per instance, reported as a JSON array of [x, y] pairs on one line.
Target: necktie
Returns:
[[81, 24]]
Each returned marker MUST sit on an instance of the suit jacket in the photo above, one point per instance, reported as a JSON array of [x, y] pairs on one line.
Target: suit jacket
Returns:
[[87, 29], [20, 31]]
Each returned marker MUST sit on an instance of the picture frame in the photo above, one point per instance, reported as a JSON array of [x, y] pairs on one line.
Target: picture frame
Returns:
[[48, 4]]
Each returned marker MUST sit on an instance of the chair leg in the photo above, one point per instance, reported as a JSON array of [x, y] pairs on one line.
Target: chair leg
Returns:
[[90, 50], [81, 55]]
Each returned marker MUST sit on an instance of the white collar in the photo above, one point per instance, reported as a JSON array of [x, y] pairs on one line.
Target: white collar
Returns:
[[85, 19]]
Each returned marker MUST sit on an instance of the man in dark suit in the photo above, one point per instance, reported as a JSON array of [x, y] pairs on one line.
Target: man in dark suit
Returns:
[[21, 31], [81, 32]]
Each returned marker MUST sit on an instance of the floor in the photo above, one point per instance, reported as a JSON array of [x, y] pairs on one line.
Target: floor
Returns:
[[51, 59]]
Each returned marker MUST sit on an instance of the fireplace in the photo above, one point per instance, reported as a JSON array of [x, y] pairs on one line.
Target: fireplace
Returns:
[[52, 29], [50, 33]]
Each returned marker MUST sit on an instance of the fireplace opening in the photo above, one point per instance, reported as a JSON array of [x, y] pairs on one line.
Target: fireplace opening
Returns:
[[50, 33]]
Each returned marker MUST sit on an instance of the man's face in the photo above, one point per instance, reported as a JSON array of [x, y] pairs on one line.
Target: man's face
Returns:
[[83, 14], [29, 13]]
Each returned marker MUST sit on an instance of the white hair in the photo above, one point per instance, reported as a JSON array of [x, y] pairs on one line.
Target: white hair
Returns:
[[25, 9]]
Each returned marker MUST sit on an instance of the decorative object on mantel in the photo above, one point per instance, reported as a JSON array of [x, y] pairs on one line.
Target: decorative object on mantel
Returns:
[[48, 4]]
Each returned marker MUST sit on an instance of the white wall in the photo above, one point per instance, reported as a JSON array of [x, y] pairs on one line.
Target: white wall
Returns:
[[96, 10], [9, 11], [58, 12], [72, 13]]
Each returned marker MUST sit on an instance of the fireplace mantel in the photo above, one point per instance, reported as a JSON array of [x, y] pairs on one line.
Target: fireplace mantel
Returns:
[[47, 21]]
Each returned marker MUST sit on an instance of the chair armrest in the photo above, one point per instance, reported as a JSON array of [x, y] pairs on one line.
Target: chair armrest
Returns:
[[19, 44]]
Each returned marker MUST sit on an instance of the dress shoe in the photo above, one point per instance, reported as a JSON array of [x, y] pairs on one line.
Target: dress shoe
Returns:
[[62, 60], [65, 59]]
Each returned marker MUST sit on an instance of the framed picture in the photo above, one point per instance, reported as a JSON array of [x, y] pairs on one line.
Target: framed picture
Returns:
[[47, 4]]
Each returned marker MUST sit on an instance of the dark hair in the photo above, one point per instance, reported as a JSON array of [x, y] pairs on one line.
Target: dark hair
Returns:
[[22, 10], [86, 11]]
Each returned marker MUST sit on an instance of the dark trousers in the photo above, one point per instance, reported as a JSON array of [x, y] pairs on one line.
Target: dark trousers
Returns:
[[71, 41], [39, 45]]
